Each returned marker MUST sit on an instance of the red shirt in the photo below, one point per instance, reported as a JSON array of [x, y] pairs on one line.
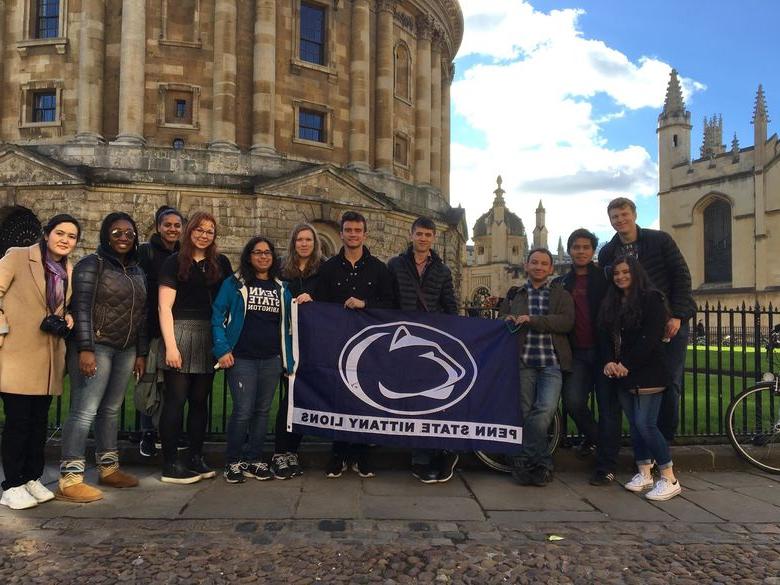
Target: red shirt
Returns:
[[583, 328]]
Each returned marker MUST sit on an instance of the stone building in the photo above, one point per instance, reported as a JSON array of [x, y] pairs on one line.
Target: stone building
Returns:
[[264, 112], [723, 207], [495, 260]]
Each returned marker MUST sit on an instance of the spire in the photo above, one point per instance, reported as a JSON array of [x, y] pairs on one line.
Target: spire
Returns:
[[759, 109], [499, 192], [560, 249], [673, 104], [735, 148], [540, 207]]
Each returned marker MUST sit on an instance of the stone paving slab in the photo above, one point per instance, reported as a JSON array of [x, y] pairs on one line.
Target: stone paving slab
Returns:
[[252, 499], [401, 483], [768, 494], [735, 507], [421, 508], [496, 492]]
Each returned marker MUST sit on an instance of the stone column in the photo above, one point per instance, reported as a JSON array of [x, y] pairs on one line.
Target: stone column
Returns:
[[89, 116], [384, 85], [223, 114], [422, 118], [359, 108], [132, 66], [436, 112], [449, 70], [264, 78]]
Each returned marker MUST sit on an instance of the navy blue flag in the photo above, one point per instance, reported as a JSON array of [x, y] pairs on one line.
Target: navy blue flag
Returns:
[[410, 379]]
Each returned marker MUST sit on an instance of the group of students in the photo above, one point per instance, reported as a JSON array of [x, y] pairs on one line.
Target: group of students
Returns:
[[173, 310], [619, 330]]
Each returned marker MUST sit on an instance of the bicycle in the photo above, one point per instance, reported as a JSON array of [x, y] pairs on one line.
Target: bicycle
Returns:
[[753, 424], [503, 462]]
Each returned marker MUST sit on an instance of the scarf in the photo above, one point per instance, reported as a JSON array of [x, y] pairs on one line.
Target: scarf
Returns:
[[56, 283]]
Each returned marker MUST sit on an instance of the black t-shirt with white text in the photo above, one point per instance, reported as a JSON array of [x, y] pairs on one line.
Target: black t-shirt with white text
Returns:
[[260, 336]]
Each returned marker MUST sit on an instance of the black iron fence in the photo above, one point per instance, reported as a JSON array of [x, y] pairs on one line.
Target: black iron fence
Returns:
[[729, 349]]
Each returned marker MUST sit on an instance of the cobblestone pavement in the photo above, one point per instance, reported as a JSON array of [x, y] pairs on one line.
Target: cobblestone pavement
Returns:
[[96, 551], [479, 528]]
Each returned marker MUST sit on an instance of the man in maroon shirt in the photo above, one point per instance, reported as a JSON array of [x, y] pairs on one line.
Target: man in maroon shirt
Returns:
[[587, 285]]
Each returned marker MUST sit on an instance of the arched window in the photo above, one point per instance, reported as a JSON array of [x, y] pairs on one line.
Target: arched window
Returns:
[[717, 242], [403, 72]]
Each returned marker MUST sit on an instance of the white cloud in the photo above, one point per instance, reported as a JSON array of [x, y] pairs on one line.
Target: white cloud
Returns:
[[531, 96]]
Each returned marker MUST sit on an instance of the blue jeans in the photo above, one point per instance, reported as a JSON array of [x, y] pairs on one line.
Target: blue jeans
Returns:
[[540, 390], [97, 399], [252, 386], [577, 387], [669, 416], [648, 442]]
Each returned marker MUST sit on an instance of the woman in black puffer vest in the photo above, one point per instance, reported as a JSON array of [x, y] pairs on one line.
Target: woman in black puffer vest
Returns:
[[107, 345]]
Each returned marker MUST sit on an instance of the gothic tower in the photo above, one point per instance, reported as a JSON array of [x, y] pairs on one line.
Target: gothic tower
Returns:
[[674, 133], [540, 231]]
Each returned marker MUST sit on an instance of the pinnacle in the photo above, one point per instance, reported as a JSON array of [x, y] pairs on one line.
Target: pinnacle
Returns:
[[759, 109], [673, 103]]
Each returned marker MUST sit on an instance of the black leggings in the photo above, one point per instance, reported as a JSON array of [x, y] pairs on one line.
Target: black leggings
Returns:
[[180, 388], [286, 442]]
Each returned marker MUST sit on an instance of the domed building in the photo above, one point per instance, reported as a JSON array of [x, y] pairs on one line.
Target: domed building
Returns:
[[263, 112]]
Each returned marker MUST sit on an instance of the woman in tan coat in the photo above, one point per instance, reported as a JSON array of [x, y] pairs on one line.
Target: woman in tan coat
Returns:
[[34, 294]]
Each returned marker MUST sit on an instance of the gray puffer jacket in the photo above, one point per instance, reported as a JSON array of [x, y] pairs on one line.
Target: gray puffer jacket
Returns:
[[109, 303]]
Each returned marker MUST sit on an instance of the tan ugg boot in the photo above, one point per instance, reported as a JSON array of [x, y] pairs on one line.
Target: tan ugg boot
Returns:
[[73, 489], [112, 476]]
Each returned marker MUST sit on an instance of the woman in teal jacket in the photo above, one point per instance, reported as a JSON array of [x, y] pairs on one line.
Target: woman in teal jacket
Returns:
[[247, 324]]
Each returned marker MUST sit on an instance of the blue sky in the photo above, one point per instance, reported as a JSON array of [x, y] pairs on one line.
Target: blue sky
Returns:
[[562, 97]]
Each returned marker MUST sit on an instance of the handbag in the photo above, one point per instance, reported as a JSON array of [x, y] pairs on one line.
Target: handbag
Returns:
[[147, 395]]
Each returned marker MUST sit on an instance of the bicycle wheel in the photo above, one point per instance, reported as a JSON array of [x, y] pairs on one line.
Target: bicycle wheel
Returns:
[[503, 462], [753, 426]]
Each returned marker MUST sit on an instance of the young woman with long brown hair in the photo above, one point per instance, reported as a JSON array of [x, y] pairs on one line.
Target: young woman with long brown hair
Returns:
[[189, 282]]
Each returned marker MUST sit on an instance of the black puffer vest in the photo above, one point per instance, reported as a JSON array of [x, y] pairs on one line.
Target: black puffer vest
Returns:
[[109, 303]]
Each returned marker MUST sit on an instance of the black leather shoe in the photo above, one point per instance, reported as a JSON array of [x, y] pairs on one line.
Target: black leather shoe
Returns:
[[446, 465], [541, 476], [425, 473]]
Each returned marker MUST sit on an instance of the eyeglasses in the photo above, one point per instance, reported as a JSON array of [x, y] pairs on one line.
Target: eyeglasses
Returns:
[[117, 233], [265, 253], [202, 232]]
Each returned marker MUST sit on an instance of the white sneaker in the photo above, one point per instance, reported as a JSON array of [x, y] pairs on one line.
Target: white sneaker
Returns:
[[18, 498], [664, 490], [639, 483], [39, 491]]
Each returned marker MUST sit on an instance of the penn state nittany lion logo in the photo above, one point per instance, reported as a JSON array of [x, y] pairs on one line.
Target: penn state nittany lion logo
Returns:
[[407, 368]]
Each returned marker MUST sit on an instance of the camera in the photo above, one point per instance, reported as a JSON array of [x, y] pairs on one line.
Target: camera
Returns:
[[55, 325]]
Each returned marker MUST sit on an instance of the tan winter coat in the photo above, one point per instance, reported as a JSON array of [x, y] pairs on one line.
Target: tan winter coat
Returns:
[[31, 362]]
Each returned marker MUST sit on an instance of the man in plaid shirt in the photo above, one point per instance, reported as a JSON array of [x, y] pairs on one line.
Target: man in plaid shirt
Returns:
[[542, 314]]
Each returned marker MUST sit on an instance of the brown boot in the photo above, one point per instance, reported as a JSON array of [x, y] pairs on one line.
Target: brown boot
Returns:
[[73, 489], [112, 476]]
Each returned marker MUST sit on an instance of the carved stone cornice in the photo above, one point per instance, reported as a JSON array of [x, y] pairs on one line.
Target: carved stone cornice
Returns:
[[404, 20], [386, 5], [424, 27]]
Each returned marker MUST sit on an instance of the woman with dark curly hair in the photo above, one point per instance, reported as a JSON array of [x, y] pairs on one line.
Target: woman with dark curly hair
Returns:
[[108, 344], [246, 324], [633, 317], [34, 290], [189, 282]]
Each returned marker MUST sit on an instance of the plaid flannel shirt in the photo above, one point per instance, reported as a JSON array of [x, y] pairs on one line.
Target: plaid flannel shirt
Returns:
[[539, 351]]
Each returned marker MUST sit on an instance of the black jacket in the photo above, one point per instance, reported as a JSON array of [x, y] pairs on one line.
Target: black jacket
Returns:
[[109, 303], [300, 284], [369, 280], [640, 349], [435, 286], [664, 263], [597, 289], [151, 256]]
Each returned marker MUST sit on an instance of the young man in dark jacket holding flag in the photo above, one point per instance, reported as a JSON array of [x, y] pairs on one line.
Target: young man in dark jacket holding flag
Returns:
[[424, 283]]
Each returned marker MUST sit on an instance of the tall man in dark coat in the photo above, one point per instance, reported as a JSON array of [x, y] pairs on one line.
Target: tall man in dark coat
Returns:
[[424, 283], [659, 255]]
